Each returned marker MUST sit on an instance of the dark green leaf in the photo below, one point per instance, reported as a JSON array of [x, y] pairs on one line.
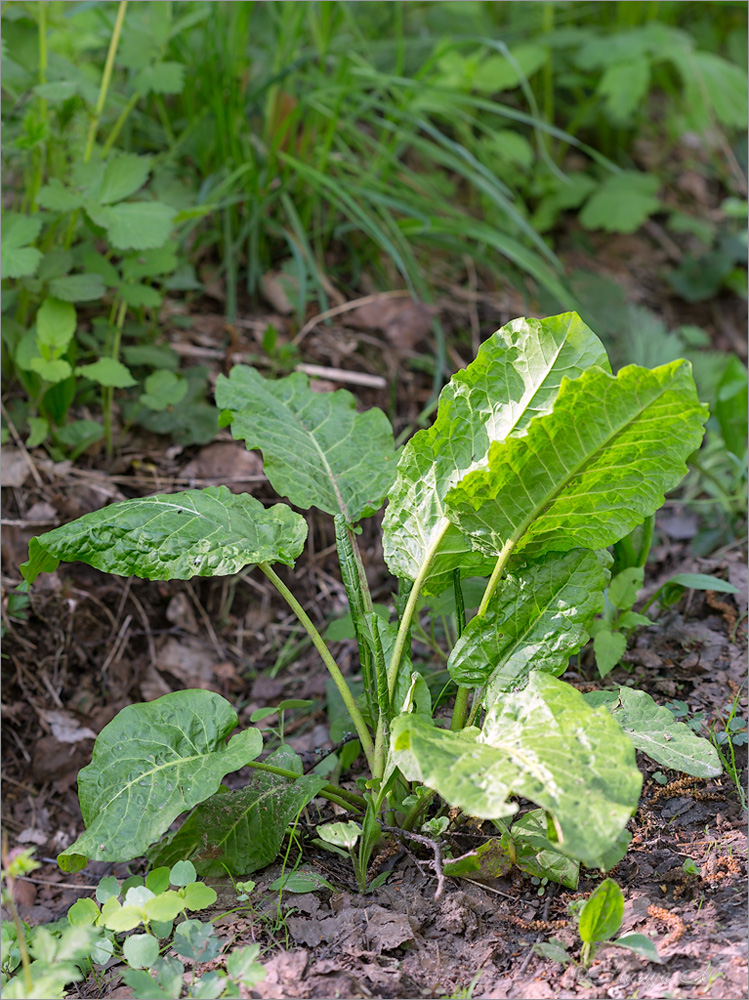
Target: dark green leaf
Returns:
[[151, 763]]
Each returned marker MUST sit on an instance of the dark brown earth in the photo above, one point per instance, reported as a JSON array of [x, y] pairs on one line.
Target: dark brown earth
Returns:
[[91, 644]]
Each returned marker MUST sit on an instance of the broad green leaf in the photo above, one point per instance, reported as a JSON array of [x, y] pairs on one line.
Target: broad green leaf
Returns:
[[516, 376], [139, 296], [55, 325], [158, 880], [174, 536], [498, 73], [55, 264], [536, 854], [488, 862], [151, 763], [340, 834], [242, 830], [78, 287], [96, 263], [150, 263], [543, 743], [714, 84], [140, 950], [622, 203], [163, 389], [655, 732], [183, 873], [625, 586], [107, 371], [124, 174], [640, 944], [162, 78], [623, 87], [317, 450], [243, 967], [143, 984], [609, 647], [539, 617], [587, 473], [134, 225], [731, 406], [602, 915], [51, 371], [17, 258], [58, 198], [199, 896]]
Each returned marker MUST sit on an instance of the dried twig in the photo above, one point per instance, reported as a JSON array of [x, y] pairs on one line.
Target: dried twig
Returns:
[[428, 842]]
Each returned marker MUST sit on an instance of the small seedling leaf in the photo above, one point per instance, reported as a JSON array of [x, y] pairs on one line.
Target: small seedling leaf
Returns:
[[602, 915], [640, 944]]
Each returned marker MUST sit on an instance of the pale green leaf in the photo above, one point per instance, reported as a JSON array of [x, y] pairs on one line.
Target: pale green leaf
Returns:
[[609, 647], [140, 950], [602, 915], [242, 830], [317, 450], [543, 743], [515, 377], [134, 225], [700, 581], [539, 617], [622, 202], [640, 944], [51, 371], [150, 263], [107, 371], [340, 834], [499, 72], [151, 763], [124, 174], [78, 287], [625, 586], [589, 472], [38, 431], [55, 324], [537, 855], [174, 536], [655, 732], [715, 85]]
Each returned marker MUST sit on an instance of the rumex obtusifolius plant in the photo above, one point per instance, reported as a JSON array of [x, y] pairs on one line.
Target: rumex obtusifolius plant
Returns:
[[538, 460]]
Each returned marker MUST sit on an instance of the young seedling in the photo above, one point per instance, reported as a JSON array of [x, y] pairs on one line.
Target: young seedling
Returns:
[[538, 460]]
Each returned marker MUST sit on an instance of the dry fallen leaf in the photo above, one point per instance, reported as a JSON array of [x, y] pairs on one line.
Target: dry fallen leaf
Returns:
[[65, 727]]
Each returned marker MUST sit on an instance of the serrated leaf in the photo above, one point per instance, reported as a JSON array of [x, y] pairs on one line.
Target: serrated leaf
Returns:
[[107, 371], [78, 287], [150, 263], [151, 763], [602, 915], [622, 202], [58, 198], [515, 377], [715, 84], [51, 371], [242, 830], [17, 258], [655, 732], [138, 296], [96, 263], [161, 78], [589, 472], [538, 618], [317, 450], [134, 225], [623, 87], [543, 743], [124, 174]]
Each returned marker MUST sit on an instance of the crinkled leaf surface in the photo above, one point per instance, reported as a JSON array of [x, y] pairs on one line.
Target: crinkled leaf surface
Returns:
[[655, 732], [538, 618], [591, 470], [151, 763], [543, 743], [174, 536], [516, 376], [242, 830], [317, 450]]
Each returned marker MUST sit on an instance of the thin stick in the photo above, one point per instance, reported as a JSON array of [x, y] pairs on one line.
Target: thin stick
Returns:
[[433, 844], [401, 293]]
